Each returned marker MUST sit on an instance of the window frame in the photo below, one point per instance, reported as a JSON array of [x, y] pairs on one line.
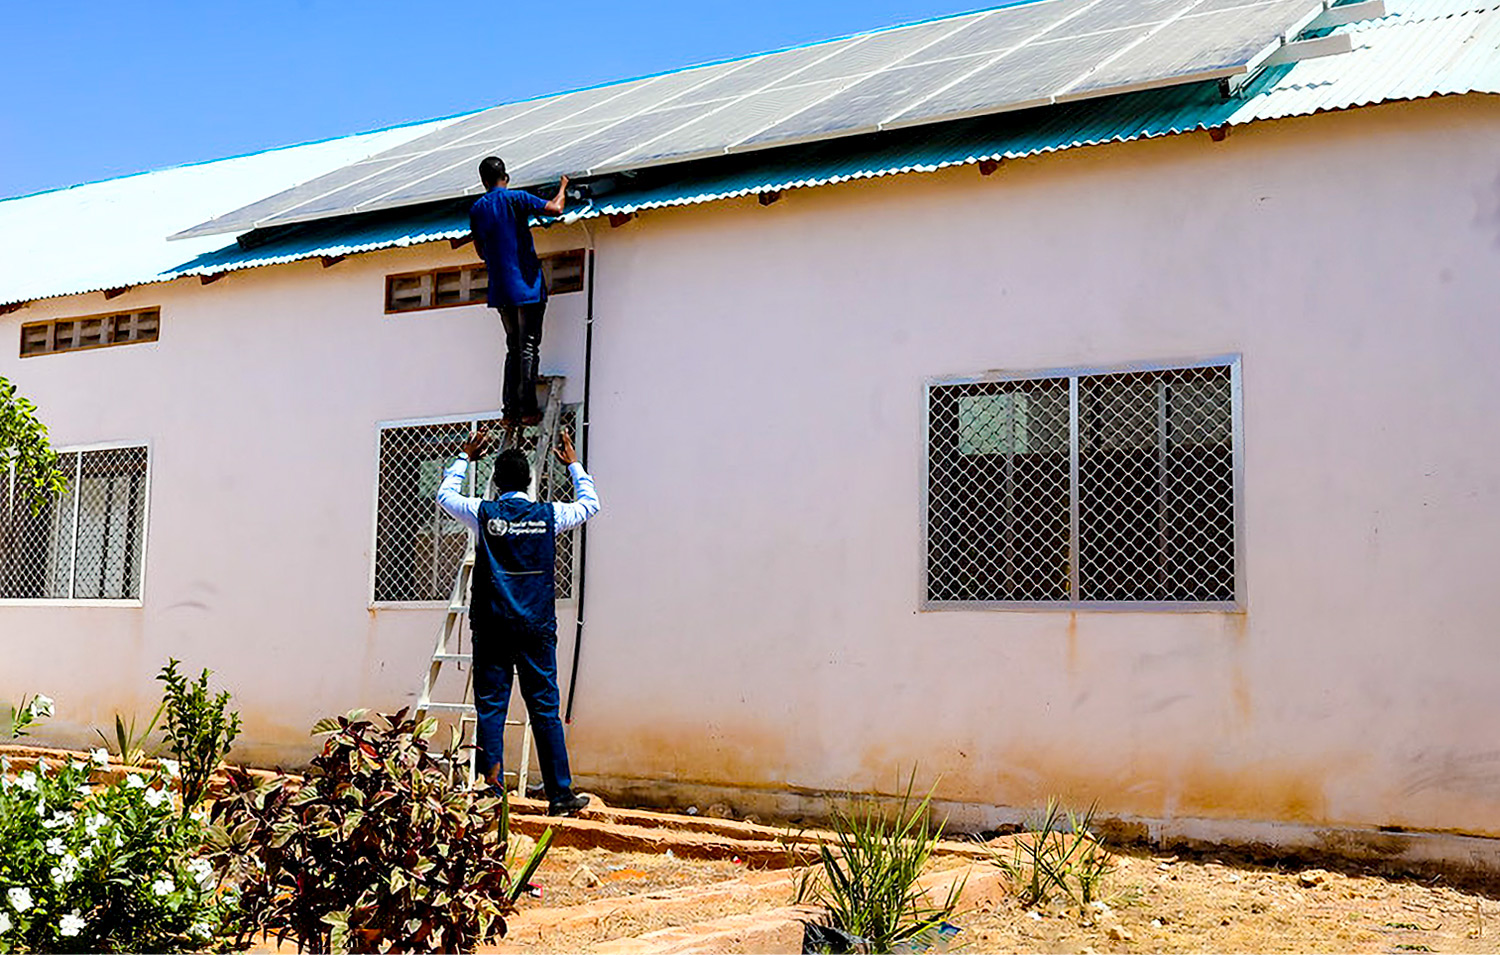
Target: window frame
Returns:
[[123, 602], [1073, 373], [472, 418]]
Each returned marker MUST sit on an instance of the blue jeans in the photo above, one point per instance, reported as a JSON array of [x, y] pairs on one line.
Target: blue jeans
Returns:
[[499, 652]]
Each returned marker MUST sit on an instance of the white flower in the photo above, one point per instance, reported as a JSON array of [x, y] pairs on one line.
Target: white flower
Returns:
[[94, 823], [56, 846], [162, 887], [4, 923], [134, 782], [59, 820], [100, 756], [86, 853], [199, 815], [20, 898], [70, 925], [27, 781], [202, 870], [65, 871], [41, 706], [76, 765], [155, 797], [118, 840], [41, 766], [85, 790], [173, 768]]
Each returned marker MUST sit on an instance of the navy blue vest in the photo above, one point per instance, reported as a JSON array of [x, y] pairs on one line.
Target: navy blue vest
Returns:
[[513, 567]]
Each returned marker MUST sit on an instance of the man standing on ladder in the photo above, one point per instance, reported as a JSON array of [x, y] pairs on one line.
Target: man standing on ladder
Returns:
[[500, 221], [511, 608]]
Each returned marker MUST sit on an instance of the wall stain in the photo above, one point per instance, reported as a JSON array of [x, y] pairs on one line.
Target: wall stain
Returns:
[[1072, 643]]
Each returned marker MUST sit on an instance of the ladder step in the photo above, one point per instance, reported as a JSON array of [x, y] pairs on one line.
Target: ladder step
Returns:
[[456, 657], [458, 608], [461, 707]]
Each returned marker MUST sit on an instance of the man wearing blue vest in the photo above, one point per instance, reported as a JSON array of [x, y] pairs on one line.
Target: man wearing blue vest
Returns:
[[511, 606], [500, 221]]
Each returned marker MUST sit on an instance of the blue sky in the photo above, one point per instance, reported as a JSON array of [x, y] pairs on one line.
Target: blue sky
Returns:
[[94, 90]]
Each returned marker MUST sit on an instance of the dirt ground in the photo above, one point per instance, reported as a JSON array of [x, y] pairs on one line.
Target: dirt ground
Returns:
[[1167, 903], [1153, 902]]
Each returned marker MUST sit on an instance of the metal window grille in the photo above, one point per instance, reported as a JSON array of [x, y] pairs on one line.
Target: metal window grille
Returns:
[[467, 285], [1092, 489], [418, 547], [87, 543]]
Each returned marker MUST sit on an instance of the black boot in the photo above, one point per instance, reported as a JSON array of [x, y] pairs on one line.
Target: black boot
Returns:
[[566, 804]]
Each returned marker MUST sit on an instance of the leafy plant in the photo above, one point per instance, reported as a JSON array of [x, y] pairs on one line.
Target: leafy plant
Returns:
[[129, 744], [25, 450], [868, 879], [199, 729], [1056, 860], [39, 707], [100, 868], [381, 847]]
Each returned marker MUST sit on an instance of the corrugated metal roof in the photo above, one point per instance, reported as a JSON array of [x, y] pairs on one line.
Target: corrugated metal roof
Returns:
[[1423, 48], [111, 234]]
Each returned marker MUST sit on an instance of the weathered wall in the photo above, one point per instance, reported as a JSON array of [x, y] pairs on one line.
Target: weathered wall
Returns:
[[260, 403], [754, 577]]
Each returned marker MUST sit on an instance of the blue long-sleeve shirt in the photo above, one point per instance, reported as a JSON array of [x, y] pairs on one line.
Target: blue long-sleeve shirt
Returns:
[[501, 223], [465, 510]]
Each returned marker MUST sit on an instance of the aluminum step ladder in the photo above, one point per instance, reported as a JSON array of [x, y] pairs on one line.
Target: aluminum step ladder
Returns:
[[541, 439]]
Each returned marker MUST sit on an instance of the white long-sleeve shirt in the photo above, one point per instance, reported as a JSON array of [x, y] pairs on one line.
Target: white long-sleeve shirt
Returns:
[[465, 510]]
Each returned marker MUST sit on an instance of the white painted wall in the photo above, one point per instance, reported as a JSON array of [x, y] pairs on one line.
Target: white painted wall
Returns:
[[754, 580], [260, 403], [754, 577]]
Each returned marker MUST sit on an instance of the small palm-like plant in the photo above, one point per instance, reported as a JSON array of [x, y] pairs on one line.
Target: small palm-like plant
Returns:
[[1057, 859], [868, 878]]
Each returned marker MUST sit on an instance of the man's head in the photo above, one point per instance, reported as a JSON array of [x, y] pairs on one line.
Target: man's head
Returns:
[[492, 172], [512, 471]]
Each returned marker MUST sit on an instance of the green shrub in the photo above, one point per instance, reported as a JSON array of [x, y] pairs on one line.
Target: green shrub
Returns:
[[200, 730], [381, 848], [868, 879], [1056, 860], [85, 867]]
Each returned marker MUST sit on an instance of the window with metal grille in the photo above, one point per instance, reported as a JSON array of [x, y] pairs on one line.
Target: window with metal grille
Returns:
[[418, 547], [468, 284], [88, 543], [91, 331], [1104, 489]]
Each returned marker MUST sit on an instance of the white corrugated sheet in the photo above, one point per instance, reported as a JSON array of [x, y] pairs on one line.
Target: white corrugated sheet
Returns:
[[111, 234]]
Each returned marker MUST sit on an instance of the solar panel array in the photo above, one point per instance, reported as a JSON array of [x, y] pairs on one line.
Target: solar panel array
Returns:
[[993, 61]]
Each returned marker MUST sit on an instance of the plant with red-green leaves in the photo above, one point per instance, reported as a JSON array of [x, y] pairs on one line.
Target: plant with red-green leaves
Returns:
[[381, 848]]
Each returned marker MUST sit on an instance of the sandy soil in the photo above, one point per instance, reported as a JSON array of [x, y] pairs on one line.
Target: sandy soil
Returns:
[[1152, 903], [1168, 903]]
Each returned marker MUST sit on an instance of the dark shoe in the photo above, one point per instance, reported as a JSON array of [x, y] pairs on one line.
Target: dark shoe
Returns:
[[567, 805]]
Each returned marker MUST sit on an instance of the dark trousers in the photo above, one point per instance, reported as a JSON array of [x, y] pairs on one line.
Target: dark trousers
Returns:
[[500, 652], [523, 356]]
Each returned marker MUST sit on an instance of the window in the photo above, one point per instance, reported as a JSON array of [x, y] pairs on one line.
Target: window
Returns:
[[467, 285], [1097, 489], [417, 546], [86, 544], [93, 331]]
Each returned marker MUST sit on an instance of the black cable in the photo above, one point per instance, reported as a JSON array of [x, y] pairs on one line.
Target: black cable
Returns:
[[583, 447]]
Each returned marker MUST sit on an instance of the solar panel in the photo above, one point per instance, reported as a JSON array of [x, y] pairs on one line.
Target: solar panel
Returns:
[[1196, 46], [1008, 58]]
